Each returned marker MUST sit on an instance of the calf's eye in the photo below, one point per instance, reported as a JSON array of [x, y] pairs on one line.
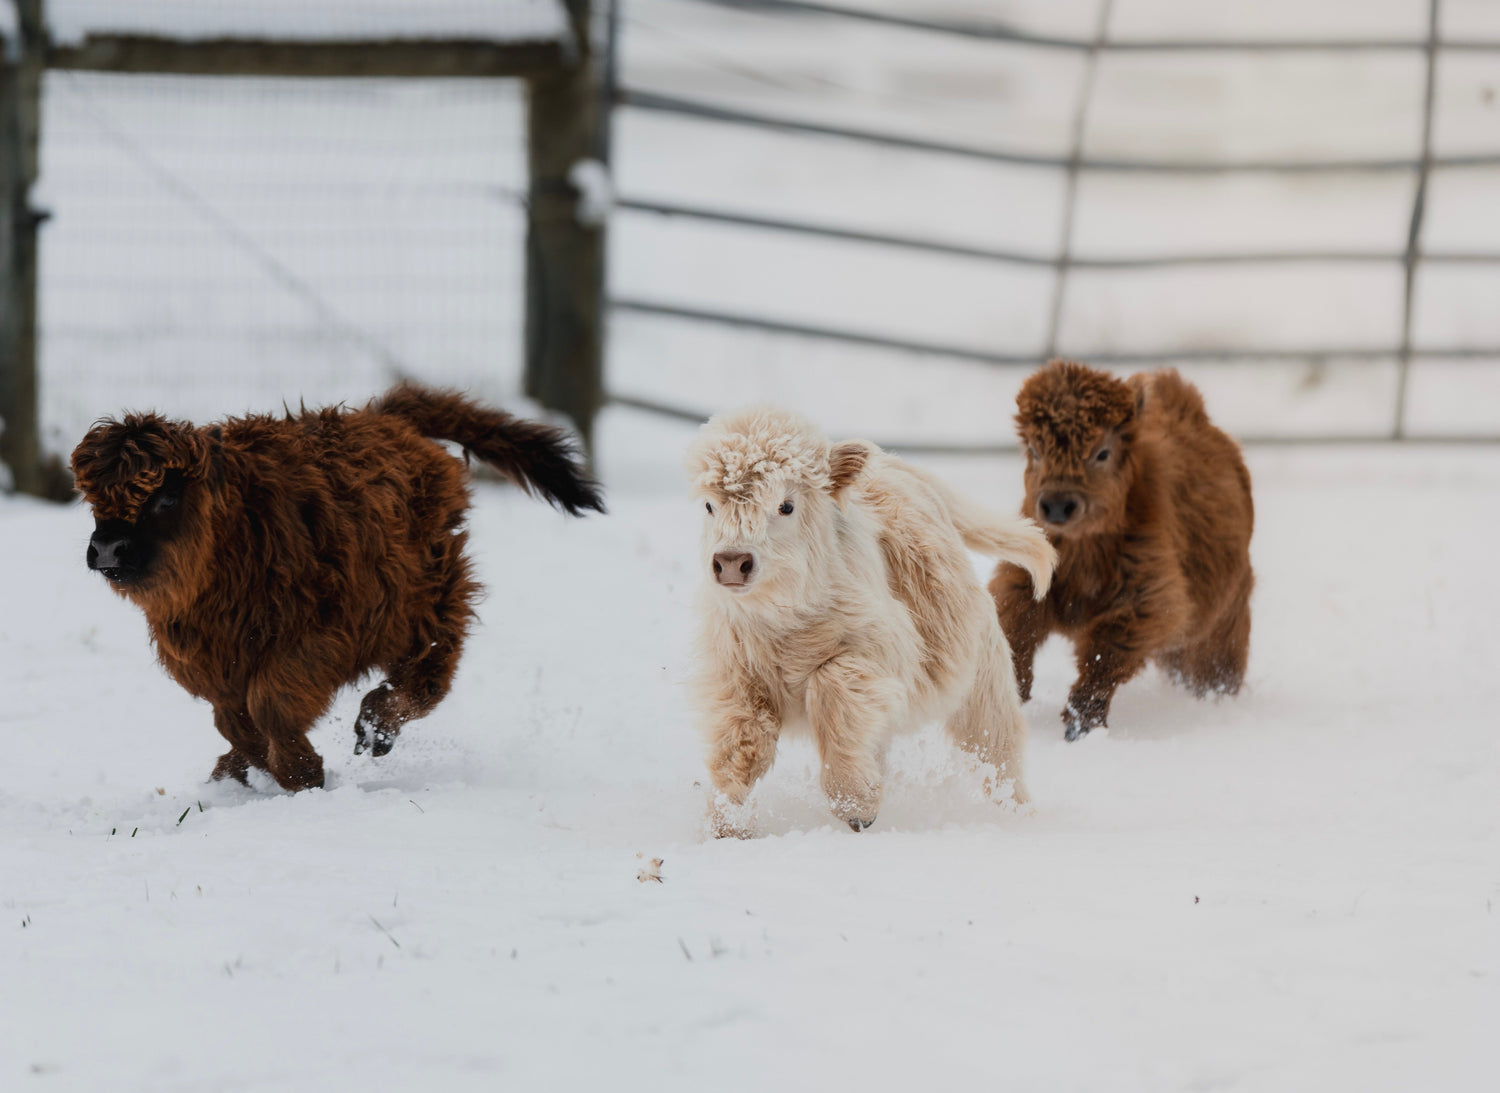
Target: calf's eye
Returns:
[[786, 508], [709, 505], [1102, 457]]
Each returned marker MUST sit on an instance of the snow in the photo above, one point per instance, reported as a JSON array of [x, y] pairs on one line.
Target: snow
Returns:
[[596, 195], [1293, 889], [322, 20]]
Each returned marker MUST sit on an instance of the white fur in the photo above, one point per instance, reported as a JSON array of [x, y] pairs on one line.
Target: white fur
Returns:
[[862, 617]]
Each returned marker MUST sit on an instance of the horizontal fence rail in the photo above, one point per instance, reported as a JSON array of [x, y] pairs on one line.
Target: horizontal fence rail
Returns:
[[998, 32], [671, 104], [1033, 360], [928, 448], [1408, 258], [427, 59], [1021, 258]]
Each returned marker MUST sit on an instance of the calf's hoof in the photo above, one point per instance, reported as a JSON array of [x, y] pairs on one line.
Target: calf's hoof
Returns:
[[299, 776], [853, 800], [724, 829], [378, 741], [1076, 725], [727, 819], [234, 765]]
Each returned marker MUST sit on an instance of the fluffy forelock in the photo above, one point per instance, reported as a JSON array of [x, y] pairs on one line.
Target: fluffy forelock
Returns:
[[752, 456], [119, 464], [1067, 406]]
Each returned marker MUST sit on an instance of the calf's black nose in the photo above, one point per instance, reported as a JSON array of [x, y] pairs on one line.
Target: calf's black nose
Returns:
[[108, 553], [1058, 508]]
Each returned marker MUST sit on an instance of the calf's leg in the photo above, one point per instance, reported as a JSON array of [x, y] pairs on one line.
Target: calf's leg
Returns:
[[1025, 621], [284, 704], [247, 745], [1109, 653], [741, 748], [848, 703], [414, 686], [421, 679], [990, 725], [1217, 663]]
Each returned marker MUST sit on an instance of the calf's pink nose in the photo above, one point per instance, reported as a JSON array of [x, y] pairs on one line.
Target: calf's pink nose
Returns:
[[733, 569]]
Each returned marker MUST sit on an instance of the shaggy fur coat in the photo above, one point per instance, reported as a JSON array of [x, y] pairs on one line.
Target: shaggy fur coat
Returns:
[[839, 599], [279, 559], [1149, 507]]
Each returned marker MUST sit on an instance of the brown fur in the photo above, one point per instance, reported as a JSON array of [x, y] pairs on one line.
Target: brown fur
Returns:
[[280, 559], [1157, 564]]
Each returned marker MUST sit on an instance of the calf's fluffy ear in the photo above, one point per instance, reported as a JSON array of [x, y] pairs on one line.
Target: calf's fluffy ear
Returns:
[[215, 462], [845, 462], [1138, 384]]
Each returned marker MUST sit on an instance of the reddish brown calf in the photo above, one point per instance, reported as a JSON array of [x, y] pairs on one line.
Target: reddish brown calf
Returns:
[[1148, 505], [279, 559]]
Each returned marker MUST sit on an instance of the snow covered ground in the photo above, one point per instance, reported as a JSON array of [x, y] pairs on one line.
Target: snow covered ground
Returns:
[[1293, 890]]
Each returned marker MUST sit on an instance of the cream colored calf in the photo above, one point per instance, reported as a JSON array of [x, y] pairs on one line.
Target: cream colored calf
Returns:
[[840, 597]]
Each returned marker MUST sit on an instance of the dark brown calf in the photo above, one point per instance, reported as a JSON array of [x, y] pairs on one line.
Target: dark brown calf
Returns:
[[279, 559], [1149, 507]]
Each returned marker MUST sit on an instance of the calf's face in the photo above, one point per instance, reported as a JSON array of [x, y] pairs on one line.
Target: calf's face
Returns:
[[1077, 427], [767, 550], [128, 552], [143, 478], [1077, 491], [768, 484]]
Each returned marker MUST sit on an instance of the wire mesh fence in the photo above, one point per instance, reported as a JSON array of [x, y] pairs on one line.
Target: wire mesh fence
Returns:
[[346, 201], [217, 246], [1294, 203]]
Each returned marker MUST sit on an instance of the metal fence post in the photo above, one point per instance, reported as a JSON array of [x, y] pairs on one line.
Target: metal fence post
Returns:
[[564, 252], [1412, 256]]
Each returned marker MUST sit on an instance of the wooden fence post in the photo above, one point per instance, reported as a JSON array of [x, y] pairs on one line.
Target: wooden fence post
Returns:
[[565, 254], [20, 120]]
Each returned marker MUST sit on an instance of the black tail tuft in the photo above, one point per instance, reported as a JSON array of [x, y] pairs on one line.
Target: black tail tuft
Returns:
[[540, 458]]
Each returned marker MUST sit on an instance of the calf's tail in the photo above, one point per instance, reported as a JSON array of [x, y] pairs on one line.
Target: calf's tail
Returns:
[[539, 458], [1013, 539]]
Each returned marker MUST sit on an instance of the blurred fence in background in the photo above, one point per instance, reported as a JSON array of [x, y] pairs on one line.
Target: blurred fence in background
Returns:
[[1293, 202], [362, 190], [884, 212], [229, 243]]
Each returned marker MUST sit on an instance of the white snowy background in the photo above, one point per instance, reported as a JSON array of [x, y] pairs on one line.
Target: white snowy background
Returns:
[[1291, 890]]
